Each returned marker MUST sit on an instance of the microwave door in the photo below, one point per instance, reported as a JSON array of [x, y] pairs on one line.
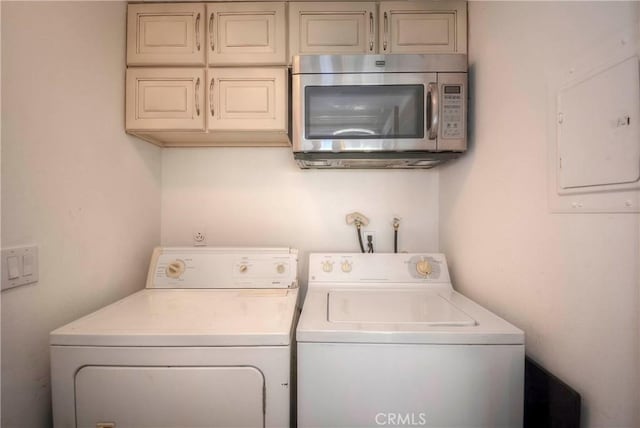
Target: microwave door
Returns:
[[362, 112], [365, 112]]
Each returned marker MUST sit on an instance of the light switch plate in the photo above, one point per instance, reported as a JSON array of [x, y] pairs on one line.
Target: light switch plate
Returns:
[[27, 266]]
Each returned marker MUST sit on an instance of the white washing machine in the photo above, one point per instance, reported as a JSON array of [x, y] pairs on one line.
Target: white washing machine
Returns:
[[207, 343], [384, 340]]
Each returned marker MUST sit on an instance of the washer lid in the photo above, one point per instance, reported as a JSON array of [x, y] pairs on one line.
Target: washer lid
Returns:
[[400, 315], [406, 307], [167, 317]]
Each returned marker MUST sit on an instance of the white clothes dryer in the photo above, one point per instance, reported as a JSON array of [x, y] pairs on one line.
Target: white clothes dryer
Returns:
[[384, 340], [207, 343]]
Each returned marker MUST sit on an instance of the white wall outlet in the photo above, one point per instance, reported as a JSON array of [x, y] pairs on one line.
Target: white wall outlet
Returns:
[[199, 238], [19, 266], [365, 236]]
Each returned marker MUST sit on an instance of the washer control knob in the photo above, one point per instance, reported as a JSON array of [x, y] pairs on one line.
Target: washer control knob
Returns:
[[346, 266], [175, 269], [243, 268], [327, 266], [423, 267], [280, 268]]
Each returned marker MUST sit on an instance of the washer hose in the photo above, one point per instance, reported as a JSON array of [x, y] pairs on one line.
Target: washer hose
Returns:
[[359, 237], [396, 226], [395, 241]]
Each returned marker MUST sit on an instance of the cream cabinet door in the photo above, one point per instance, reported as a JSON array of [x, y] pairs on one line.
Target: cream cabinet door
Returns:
[[166, 34], [332, 27], [246, 33], [165, 99], [427, 26], [247, 99]]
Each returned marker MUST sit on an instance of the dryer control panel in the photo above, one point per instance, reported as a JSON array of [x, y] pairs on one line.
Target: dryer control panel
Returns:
[[378, 268], [208, 267]]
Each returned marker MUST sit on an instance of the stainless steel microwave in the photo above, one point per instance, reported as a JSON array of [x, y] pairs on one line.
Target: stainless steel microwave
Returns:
[[379, 111]]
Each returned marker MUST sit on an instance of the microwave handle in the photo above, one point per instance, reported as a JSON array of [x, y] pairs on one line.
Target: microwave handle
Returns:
[[432, 110]]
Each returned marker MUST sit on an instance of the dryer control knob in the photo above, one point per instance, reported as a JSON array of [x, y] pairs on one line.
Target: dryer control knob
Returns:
[[280, 268], [243, 268], [346, 266], [327, 266], [423, 267], [175, 269]]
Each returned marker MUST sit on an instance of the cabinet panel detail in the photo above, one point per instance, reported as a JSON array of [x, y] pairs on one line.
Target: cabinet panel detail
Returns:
[[436, 30], [345, 31], [332, 27], [165, 34], [423, 26], [248, 99], [169, 99], [246, 33]]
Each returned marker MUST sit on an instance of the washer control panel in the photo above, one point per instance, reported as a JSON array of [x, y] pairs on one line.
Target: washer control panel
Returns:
[[175, 269], [206, 267], [426, 266], [350, 268]]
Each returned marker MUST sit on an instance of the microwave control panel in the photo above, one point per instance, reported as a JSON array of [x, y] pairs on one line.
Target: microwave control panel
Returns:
[[452, 111]]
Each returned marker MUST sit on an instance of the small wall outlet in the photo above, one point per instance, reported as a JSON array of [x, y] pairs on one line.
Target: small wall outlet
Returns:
[[369, 241], [366, 234], [199, 238]]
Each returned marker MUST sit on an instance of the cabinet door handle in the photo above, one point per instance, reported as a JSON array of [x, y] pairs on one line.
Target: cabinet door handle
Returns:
[[386, 31], [432, 110], [197, 96], [211, 96], [371, 31], [211, 32], [198, 31]]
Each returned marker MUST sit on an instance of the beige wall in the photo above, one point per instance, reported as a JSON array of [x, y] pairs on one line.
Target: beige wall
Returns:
[[0, 212], [90, 196], [569, 280], [72, 182], [260, 197]]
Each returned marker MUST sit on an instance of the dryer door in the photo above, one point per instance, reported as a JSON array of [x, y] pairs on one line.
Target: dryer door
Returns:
[[146, 397]]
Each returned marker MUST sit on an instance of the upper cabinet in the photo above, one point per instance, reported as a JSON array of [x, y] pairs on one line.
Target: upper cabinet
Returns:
[[246, 33], [166, 34], [215, 74], [191, 106], [165, 99], [225, 34], [248, 99], [208, 74], [422, 26], [332, 27]]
